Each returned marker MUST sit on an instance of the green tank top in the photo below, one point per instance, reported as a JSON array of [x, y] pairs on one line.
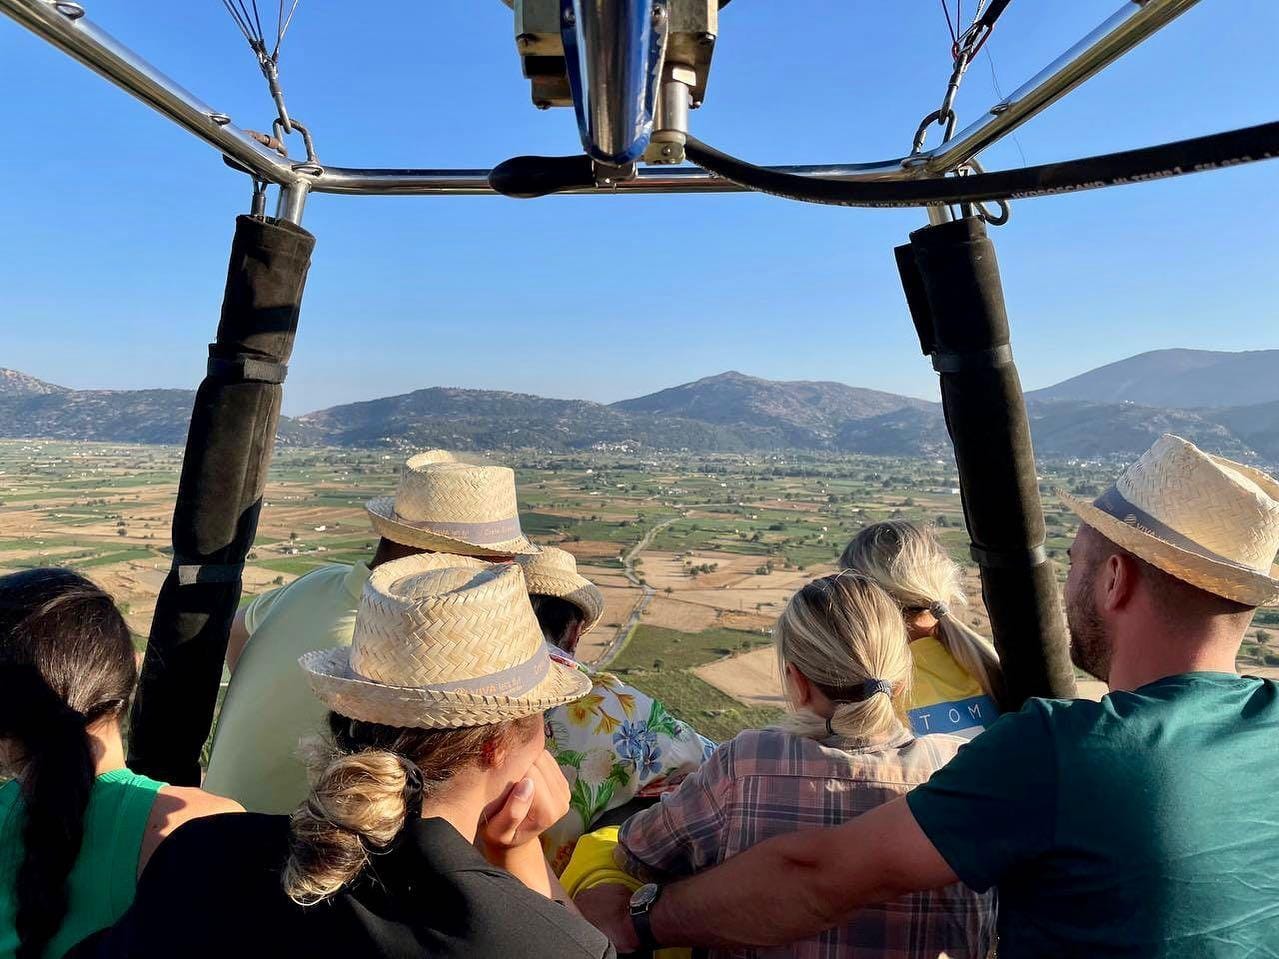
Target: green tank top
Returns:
[[104, 878]]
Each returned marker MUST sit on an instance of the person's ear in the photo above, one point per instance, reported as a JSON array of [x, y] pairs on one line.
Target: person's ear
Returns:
[[801, 689], [493, 753], [1118, 582], [573, 636]]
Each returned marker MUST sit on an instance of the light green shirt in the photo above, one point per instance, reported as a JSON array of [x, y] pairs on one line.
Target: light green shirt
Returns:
[[269, 707]]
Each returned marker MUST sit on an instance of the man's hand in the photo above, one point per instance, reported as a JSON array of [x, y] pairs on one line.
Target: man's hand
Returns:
[[532, 806], [608, 909]]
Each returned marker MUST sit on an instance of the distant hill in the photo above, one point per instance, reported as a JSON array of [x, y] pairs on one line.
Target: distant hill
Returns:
[[806, 413], [1067, 428], [127, 416], [13, 383], [32, 408], [727, 412], [491, 419], [1257, 426], [1178, 379]]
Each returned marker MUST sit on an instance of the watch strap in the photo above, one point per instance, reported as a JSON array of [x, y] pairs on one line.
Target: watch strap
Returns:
[[641, 919]]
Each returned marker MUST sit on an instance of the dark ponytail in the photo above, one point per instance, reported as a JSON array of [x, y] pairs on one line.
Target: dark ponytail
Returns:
[[66, 661]]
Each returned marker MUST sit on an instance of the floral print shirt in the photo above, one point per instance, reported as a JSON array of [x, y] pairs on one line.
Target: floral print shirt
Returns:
[[613, 744]]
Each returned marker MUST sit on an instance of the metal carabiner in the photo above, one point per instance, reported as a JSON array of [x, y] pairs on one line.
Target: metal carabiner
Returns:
[[948, 120], [993, 219], [311, 164]]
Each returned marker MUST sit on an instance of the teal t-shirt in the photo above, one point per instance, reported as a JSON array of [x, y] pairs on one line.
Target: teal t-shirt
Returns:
[[104, 878], [1145, 825]]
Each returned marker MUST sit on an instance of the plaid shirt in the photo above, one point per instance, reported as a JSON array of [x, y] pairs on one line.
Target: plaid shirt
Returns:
[[766, 783]]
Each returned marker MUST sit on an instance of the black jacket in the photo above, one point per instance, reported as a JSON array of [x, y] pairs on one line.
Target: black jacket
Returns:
[[213, 890]]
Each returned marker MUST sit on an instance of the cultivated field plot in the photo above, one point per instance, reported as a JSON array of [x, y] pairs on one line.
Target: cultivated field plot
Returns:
[[696, 554]]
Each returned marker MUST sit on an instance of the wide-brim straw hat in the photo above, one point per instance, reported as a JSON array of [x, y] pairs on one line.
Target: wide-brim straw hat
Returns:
[[443, 642], [450, 507], [1204, 519], [553, 572]]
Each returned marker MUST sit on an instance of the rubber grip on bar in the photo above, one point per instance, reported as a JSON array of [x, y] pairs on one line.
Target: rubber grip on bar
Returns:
[[527, 177]]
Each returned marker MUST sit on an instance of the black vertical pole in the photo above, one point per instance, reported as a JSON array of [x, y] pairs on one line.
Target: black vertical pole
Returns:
[[951, 279], [229, 445]]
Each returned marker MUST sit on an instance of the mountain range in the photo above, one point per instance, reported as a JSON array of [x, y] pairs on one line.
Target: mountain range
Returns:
[[1226, 402]]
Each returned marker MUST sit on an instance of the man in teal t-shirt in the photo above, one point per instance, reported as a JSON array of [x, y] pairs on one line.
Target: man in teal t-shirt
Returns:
[[1144, 825]]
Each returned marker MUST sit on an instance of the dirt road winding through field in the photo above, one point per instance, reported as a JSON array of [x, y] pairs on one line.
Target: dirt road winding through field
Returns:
[[628, 570]]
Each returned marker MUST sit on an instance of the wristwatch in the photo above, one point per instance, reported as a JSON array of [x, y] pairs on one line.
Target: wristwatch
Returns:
[[641, 905]]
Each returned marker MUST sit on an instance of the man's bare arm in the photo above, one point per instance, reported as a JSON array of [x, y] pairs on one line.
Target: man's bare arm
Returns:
[[788, 888], [238, 640]]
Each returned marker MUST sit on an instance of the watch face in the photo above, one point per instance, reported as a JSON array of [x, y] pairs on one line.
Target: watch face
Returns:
[[644, 897]]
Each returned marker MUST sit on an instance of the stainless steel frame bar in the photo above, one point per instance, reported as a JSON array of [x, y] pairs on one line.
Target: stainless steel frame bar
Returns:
[[77, 36], [98, 50], [291, 202], [1128, 26]]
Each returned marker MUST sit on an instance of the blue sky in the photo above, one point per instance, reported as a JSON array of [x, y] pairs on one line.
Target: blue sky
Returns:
[[115, 225]]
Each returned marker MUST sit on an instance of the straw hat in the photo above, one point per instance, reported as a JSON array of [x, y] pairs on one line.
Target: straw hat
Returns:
[[450, 507], [553, 572], [441, 642], [1206, 520]]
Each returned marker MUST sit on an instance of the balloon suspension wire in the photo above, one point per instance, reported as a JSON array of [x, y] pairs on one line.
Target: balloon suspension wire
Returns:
[[248, 18]]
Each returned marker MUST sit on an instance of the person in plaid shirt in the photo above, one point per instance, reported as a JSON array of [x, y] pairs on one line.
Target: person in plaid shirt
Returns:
[[847, 749]]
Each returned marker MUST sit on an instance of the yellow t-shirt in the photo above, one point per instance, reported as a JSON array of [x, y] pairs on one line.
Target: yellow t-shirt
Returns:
[[944, 698], [269, 706], [593, 864]]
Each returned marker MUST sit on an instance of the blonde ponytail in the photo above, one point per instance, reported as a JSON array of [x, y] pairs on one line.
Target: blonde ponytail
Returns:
[[846, 636], [369, 782], [358, 802], [909, 563]]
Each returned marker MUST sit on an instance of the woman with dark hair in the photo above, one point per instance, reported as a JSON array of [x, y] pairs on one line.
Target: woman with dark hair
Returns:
[[420, 836], [76, 826]]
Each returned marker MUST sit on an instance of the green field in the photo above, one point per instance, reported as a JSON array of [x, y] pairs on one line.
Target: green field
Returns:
[[105, 509], [660, 661], [653, 647], [712, 713]]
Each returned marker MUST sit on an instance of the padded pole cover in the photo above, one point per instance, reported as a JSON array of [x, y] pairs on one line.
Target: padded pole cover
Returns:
[[951, 279], [228, 450]]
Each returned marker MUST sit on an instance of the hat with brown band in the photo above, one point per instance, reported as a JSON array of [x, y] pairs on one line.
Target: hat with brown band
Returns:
[[443, 642], [553, 572], [1204, 519], [450, 507]]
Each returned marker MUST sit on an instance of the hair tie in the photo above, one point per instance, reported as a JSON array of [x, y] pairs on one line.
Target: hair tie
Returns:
[[939, 610], [830, 730], [873, 686], [412, 791], [107, 707]]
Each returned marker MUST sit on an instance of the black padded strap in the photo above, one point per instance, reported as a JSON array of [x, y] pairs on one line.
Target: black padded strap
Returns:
[[993, 12], [246, 369], [991, 359], [190, 574], [1008, 559]]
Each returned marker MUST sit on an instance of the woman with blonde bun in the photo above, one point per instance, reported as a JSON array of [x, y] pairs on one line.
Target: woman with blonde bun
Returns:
[[845, 749], [958, 682], [420, 836]]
